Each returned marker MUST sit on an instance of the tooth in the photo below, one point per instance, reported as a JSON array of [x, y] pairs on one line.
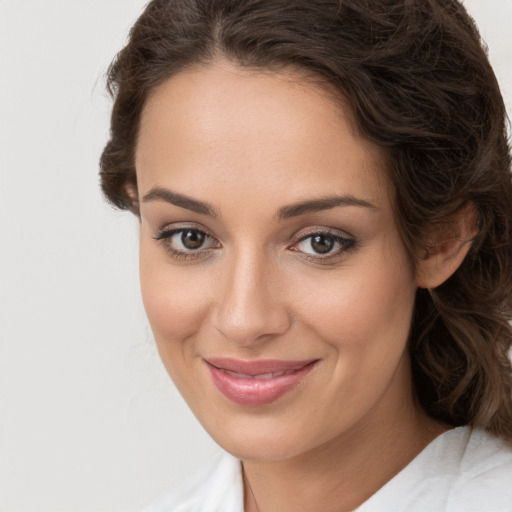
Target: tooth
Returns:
[[239, 375], [264, 376], [260, 376]]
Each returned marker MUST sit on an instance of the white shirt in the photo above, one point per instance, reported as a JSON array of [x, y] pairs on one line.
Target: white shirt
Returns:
[[463, 470]]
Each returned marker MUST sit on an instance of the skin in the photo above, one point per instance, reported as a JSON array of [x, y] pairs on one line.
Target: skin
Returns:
[[249, 143]]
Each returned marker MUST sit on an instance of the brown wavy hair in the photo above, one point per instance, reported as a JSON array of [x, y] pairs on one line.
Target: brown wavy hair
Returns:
[[416, 76]]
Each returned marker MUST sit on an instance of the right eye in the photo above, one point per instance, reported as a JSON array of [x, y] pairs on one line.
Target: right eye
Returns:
[[187, 243]]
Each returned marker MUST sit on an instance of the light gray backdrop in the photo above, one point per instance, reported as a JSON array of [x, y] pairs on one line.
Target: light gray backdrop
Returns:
[[89, 421]]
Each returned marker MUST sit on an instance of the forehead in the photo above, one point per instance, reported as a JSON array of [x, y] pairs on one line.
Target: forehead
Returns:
[[237, 127]]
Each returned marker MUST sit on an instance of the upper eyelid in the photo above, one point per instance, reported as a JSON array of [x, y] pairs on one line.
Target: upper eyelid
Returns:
[[171, 228], [165, 234], [338, 238], [301, 234]]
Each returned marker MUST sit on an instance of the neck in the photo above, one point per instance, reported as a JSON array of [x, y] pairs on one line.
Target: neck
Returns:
[[342, 474]]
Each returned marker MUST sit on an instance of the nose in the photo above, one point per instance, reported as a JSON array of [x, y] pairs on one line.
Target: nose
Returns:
[[249, 308]]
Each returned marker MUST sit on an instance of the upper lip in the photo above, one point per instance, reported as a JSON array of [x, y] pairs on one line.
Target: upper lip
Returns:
[[257, 367]]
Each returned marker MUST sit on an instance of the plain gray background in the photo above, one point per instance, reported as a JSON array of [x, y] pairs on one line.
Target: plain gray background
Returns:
[[89, 421]]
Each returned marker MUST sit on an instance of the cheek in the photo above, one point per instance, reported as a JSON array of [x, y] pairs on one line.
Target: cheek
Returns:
[[174, 297], [366, 305]]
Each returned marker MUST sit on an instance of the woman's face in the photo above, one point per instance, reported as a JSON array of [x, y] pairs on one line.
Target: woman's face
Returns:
[[273, 275]]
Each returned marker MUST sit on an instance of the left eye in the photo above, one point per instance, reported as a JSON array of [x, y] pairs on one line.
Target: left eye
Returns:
[[189, 239], [186, 241], [323, 244]]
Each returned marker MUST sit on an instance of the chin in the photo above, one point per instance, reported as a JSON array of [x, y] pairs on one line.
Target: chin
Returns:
[[262, 438], [259, 449]]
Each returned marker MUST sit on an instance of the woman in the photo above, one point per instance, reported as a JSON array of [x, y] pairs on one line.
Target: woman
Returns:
[[325, 207]]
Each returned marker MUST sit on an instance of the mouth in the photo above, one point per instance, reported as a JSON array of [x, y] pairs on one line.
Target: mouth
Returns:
[[257, 383]]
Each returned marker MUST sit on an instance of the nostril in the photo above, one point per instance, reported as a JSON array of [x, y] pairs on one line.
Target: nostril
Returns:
[[249, 306], [250, 325]]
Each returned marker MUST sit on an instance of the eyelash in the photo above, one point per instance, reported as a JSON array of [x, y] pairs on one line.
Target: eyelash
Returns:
[[165, 236], [347, 244]]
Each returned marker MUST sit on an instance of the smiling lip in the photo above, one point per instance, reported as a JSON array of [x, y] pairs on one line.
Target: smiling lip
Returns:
[[256, 383]]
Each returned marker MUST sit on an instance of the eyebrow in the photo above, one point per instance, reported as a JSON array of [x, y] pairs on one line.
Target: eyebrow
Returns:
[[320, 204], [286, 212], [181, 200]]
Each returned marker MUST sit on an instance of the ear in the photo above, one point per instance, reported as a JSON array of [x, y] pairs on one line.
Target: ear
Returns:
[[133, 194], [448, 245]]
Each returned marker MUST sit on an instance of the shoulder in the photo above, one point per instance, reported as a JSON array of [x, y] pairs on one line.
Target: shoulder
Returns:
[[463, 470], [215, 487], [485, 476]]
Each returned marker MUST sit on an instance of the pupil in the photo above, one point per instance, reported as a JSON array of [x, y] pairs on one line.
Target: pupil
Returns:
[[322, 244], [192, 239]]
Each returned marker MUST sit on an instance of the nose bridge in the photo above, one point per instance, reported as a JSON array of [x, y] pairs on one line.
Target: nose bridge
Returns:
[[249, 307]]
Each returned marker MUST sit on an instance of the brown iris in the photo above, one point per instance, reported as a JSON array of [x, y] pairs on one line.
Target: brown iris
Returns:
[[192, 239], [322, 244]]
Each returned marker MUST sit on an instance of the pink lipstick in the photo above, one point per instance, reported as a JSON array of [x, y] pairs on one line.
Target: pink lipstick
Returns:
[[256, 383]]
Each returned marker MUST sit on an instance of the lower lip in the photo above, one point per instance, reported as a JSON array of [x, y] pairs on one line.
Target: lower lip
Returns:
[[257, 392]]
